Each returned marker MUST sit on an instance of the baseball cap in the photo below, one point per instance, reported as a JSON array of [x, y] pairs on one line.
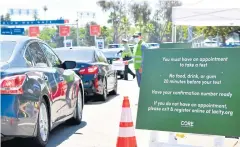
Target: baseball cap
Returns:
[[137, 35]]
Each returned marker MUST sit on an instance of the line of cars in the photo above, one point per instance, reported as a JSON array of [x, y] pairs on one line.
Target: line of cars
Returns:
[[41, 88], [93, 68]]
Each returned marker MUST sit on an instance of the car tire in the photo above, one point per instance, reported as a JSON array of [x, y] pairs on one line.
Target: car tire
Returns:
[[114, 92], [103, 97], [77, 118], [121, 76], [41, 139]]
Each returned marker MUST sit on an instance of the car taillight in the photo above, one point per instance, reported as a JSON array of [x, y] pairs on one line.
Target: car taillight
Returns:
[[12, 84], [89, 70], [96, 83]]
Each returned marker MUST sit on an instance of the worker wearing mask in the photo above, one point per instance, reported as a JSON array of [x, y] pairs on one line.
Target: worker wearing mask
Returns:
[[138, 55], [127, 58]]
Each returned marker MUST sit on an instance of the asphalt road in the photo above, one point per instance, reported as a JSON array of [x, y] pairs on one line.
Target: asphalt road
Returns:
[[100, 125]]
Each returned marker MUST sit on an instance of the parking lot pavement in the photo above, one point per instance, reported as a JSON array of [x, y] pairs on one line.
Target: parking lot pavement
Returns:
[[101, 124]]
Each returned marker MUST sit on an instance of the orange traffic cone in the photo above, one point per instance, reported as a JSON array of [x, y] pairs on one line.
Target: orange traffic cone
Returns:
[[126, 137]]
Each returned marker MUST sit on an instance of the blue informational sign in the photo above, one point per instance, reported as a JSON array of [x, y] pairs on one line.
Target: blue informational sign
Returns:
[[38, 22], [12, 31]]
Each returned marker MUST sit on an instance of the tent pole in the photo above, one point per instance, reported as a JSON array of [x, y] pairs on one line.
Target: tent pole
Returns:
[[174, 36]]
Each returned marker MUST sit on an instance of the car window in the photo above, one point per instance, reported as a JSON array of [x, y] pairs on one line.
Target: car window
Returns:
[[51, 56], [28, 58], [103, 58], [100, 58], [86, 55], [6, 50], [113, 46], [111, 54], [37, 53]]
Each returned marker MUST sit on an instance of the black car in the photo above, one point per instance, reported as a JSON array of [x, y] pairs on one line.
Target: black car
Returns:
[[96, 73], [114, 55], [38, 90]]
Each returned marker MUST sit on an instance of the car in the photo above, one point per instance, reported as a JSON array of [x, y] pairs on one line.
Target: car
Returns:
[[98, 77], [38, 90], [114, 55], [153, 45], [113, 46]]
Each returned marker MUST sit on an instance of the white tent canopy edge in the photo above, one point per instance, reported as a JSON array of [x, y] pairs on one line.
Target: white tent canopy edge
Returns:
[[208, 13]]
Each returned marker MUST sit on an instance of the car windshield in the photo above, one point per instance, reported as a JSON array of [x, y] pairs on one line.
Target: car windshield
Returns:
[[76, 55], [6, 50], [111, 54]]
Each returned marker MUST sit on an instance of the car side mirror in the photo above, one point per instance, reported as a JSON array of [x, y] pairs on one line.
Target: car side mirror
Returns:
[[69, 64], [41, 65]]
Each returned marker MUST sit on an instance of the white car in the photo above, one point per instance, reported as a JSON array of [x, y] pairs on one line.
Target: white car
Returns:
[[153, 45], [111, 46]]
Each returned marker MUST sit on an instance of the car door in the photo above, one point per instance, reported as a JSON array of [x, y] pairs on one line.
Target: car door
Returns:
[[109, 71], [41, 64], [65, 80]]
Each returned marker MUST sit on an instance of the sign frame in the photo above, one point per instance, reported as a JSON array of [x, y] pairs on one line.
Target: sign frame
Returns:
[[190, 108], [33, 31], [95, 30], [64, 31]]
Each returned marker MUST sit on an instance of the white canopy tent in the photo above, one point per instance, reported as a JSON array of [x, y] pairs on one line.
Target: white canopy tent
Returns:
[[208, 13]]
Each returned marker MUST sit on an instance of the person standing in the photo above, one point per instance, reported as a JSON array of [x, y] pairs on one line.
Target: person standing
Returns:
[[127, 57], [138, 55]]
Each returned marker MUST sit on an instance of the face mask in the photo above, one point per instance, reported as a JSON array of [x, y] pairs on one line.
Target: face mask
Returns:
[[136, 40]]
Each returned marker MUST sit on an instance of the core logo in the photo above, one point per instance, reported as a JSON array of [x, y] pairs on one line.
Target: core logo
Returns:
[[188, 124]]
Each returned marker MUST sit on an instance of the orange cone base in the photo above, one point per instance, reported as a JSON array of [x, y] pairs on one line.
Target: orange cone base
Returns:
[[126, 142]]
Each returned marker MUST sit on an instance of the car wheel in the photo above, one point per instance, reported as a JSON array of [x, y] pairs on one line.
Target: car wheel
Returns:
[[77, 118], [114, 92], [121, 76], [105, 92], [42, 126]]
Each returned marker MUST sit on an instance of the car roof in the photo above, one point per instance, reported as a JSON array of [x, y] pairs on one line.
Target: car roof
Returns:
[[16, 38], [111, 49], [152, 43], [76, 48]]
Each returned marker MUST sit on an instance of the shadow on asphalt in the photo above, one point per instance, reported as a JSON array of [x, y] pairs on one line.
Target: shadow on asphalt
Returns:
[[57, 136], [99, 102], [63, 132]]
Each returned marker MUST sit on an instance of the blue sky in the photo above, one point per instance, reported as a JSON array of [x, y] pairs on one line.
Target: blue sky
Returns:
[[65, 8]]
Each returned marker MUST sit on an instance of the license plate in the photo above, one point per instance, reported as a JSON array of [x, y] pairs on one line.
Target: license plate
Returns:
[[118, 65]]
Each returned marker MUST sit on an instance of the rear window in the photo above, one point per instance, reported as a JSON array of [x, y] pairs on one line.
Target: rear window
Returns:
[[113, 46], [109, 54], [6, 50], [75, 55], [153, 44]]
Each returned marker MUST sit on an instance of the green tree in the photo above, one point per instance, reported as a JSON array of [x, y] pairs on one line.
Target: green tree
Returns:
[[222, 31], [163, 17], [7, 17], [35, 16], [106, 34], [47, 35], [116, 9], [141, 14], [89, 40]]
